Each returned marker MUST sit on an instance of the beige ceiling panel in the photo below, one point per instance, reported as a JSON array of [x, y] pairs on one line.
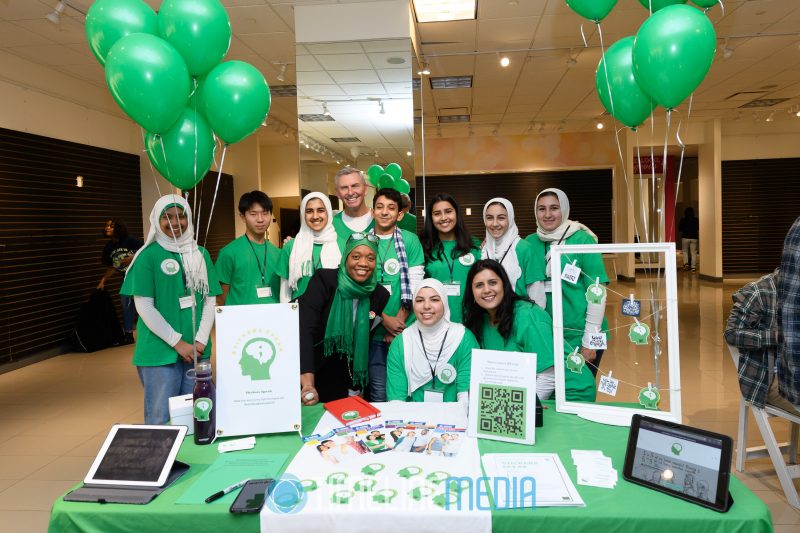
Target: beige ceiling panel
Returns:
[[458, 35], [758, 12], [452, 65], [395, 75], [314, 78], [51, 54], [92, 73], [501, 34], [486, 118], [507, 10], [320, 90], [399, 88], [25, 9], [619, 23], [489, 104], [255, 19], [391, 59], [307, 63], [284, 11], [14, 35], [69, 31], [523, 108], [766, 47], [272, 45], [354, 76], [344, 62], [346, 47], [388, 45]]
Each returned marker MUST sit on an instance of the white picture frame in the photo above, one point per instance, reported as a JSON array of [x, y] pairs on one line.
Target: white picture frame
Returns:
[[599, 412]]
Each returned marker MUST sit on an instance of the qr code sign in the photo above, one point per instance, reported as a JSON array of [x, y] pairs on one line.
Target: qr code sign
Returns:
[[501, 411]]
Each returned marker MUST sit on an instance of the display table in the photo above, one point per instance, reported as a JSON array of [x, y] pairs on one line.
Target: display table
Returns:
[[627, 507]]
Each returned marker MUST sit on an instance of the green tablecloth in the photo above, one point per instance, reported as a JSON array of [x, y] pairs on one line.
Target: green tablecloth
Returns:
[[627, 507]]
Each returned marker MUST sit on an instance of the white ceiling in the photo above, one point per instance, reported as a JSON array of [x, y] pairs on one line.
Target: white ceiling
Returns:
[[538, 87]]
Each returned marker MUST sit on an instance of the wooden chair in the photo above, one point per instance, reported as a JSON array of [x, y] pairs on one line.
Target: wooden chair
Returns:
[[772, 449]]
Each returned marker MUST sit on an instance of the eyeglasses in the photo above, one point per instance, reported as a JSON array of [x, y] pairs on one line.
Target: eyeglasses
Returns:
[[359, 236]]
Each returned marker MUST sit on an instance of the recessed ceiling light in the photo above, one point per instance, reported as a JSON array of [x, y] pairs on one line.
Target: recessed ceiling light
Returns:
[[396, 60], [451, 82], [505, 61], [599, 125], [282, 73], [444, 10], [408, 153], [446, 119], [771, 117], [425, 70]]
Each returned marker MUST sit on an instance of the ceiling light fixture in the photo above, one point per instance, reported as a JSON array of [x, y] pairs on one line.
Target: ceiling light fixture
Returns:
[[408, 153], [325, 110], [797, 113], [282, 73], [771, 117], [383, 109], [55, 16], [727, 51], [599, 125], [425, 70], [444, 10], [505, 61]]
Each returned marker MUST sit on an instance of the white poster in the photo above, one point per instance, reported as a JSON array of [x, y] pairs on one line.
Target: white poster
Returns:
[[258, 369], [502, 397]]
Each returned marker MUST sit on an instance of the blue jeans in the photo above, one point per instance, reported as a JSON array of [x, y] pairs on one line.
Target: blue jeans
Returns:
[[378, 350], [160, 384], [128, 313]]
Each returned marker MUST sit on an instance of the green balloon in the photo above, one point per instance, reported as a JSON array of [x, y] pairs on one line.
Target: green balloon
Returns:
[[394, 170], [236, 100], [149, 80], [403, 186], [200, 31], [655, 5], [631, 104], [706, 4], [594, 10], [373, 173], [183, 154], [672, 53], [108, 21], [385, 181]]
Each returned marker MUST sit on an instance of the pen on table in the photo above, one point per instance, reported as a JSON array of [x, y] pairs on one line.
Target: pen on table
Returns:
[[226, 490]]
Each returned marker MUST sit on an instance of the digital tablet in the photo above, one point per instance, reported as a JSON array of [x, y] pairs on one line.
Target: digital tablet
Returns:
[[136, 455], [682, 461]]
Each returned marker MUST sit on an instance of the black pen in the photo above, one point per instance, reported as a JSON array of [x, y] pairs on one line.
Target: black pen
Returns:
[[226, 490]]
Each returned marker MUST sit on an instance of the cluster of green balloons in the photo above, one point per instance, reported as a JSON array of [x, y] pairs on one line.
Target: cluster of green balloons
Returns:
[[390, 177], [662, 65], [165, 72]]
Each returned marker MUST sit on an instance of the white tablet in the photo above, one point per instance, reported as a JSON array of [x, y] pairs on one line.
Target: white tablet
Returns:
[[136, 455]]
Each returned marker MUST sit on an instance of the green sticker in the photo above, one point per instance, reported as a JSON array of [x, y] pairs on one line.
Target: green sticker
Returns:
[[677, 448], [445, 500], [639, 333], [595, 293], [364, 485], [342, 497], [308, 485], [501, 410], [437, 477], [384, 496], [649, 397], [447, 373], [409, 471], [202, 409], [372, 469], [336, 478], [575, 362], [418, 493], [257, 357], [458, 484], [350, 415]]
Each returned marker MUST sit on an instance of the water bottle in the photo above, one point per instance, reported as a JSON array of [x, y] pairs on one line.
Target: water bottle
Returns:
[[204, 396]]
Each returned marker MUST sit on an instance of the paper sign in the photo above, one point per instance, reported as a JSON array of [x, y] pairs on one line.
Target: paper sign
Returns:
[[571, 273], [598, 340], [258, 368], [631, 307], [608, 385]]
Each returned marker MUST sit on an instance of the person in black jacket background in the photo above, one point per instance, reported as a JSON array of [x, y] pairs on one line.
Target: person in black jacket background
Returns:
[[337, 312], [689, 227]]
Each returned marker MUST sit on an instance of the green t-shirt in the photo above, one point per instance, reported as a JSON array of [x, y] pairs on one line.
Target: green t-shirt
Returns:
[[240, 265], [343, 231], [283, 267], [158, 274], [397, 379], [387, 273], [531, 332], [532, 271], [408, 223], [453, 273]]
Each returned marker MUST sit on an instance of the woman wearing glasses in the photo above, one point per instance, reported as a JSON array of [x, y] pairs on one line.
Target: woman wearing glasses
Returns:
[[337, 312]]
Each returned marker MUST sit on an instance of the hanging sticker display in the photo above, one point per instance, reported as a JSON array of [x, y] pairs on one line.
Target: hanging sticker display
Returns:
[[571, 273], [649, 397], [598, 340], [608, 385], [595, 293], [639, 333], [575, 362], [631, 307]]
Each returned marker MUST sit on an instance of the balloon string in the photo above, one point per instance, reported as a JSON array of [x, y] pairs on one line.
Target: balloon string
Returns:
[[583, 36], [152, 170], [647, 260], [166, 163], [683, 153], [214, 199]]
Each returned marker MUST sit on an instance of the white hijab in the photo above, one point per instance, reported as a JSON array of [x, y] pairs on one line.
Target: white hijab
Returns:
[[192, 260], [505, 245], [301, 259], [418, 367], [566, 229]]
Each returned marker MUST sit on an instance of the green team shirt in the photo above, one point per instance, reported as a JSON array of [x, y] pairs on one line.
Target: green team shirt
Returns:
[[343, 232], [453, 273], [387, 273], [283, 267], [397, 379], [408, 223], [158, 274], [240, 266], [532, 332]]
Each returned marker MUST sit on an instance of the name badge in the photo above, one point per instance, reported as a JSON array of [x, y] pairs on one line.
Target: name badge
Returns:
[[598, 341], [453, 288], [264, 292], [388, 287], [571, 273], [433, 395], [186, 302]]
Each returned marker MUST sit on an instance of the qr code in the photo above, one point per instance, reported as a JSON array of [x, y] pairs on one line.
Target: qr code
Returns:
[[501, 411]]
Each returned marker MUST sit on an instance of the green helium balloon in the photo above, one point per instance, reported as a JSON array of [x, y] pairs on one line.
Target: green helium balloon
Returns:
[[594, 10], [385, 181], [200, 31], [672, 53], [403, 186], [108, 21], [631, 105], [655, 5], [373, 173], [394, 170], [706, 4], [149, 80], [183, 154], [236, 100]]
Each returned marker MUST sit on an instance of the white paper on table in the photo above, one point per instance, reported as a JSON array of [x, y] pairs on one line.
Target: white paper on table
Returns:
[[258, 364], [502, 399], [554, 488], [594, 469], [362, 514]]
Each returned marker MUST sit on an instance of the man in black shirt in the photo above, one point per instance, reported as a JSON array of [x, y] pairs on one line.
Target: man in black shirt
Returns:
[[689, 227]]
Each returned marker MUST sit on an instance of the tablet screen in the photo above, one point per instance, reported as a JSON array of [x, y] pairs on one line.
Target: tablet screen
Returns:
[[689, 463]]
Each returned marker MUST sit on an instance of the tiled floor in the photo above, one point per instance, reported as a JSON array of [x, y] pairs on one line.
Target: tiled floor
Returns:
[[56, 413]]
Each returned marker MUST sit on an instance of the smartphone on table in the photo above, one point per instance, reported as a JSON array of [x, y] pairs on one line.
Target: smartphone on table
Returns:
[[252, 496]]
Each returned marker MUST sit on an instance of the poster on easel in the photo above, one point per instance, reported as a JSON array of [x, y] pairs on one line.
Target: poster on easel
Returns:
[[502, 399], [258, 369]]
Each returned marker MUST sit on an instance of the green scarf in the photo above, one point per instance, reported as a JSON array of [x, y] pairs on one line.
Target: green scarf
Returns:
[[342, 334]]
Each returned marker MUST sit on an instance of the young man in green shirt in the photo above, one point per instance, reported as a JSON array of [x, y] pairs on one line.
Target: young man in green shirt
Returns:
[[409, 221], [173, 285], [351, 188], [248, 266], [401, 267]]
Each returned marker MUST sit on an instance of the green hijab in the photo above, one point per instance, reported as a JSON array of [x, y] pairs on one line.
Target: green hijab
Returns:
[[343, 335]]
